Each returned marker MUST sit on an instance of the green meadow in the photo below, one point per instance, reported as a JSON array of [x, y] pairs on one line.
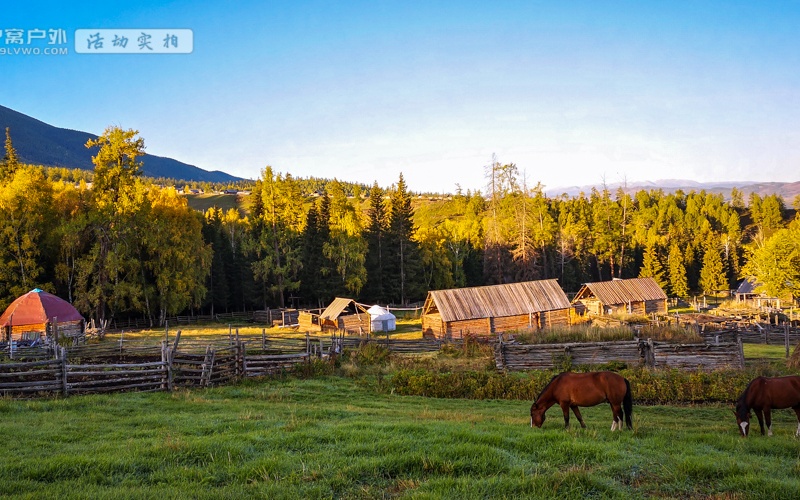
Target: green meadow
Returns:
[[340, 437]]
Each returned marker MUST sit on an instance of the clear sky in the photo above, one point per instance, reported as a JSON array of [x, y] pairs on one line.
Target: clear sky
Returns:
[[569, 91]]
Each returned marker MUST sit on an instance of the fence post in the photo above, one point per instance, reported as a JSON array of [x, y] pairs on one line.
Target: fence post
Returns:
[[208, 361], [786, 338], [651, 354], [500, 356], [237, 334], [264, 339], [64, 387], [166, 379], [241, 358], [741, 352], [175, 347]]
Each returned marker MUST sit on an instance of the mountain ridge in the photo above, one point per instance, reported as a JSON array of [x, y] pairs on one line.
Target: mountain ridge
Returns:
[[788, 190], [40, 143]]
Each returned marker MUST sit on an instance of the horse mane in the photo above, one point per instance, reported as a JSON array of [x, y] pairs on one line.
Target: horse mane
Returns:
[[741, 404], [547, 387]]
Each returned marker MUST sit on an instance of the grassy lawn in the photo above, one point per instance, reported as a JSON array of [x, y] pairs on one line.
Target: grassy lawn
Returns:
[[203, 202], [406, 329], [762, 351], [334, 437]]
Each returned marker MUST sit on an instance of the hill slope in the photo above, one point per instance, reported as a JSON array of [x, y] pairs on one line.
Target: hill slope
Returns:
[[38, 143]]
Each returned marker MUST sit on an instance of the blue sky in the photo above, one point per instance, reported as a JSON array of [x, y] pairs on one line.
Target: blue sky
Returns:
[[572, 92]]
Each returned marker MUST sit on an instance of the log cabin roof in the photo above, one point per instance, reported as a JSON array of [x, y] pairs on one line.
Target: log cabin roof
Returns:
[[747, 286], [622, 291], [338, 305], [497, 301]]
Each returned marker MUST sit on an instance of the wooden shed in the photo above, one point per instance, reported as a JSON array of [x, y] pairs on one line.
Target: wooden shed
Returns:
[[621, 296], [343, 314], [486, 310], [746, 292]]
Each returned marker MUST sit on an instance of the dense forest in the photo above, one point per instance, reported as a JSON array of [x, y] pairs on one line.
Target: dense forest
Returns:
[[129, 246]]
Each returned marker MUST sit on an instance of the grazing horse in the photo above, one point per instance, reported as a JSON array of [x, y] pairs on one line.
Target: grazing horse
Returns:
[[571, 390], [764, 394]]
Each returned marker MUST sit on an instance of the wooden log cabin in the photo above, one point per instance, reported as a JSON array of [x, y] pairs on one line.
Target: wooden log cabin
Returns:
[[621, 296], [487, 310]]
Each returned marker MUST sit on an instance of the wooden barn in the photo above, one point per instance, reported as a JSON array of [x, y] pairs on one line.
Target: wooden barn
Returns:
[[342, 314], [621, 296], [486, 310]]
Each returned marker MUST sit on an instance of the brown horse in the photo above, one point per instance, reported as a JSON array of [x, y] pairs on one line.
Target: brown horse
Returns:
[[571, 390], [764, 394]]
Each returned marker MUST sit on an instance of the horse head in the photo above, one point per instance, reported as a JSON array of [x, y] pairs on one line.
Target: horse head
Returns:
[[742, 413], [537, 415]]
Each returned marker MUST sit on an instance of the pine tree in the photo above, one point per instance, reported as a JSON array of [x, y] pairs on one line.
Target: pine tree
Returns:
[[10, 162], [651, 267], [375, 235], [678, 285], [712, 275], [403, 277]]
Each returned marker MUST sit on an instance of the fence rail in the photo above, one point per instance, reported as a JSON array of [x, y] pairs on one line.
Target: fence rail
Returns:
[[517, 357]]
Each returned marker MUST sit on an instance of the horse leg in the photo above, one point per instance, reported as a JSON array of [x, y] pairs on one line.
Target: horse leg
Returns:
[[578, 415], [797, 412], [760, 417], [616, 414], [768, 420], [565, 409]]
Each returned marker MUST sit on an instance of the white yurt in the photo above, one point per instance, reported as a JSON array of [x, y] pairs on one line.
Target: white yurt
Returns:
[[381, 320]]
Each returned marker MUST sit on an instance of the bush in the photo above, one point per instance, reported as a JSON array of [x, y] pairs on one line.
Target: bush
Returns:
[[648, 386], [370, 354]]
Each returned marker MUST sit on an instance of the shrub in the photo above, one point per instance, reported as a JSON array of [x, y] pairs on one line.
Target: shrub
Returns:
[[648, 386]]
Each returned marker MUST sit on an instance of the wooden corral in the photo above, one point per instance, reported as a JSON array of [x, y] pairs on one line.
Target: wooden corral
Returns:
[[486, 310], [629, 296], [516, 357], [345, 315], [277, 317]]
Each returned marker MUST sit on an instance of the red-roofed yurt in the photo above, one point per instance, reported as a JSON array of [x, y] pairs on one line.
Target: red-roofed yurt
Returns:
[[32, 315]]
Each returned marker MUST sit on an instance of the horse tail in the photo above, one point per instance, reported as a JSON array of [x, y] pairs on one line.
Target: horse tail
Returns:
[[627, 404]]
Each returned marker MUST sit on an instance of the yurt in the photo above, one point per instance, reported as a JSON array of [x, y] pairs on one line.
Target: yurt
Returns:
[[31, 316], [381, 320]]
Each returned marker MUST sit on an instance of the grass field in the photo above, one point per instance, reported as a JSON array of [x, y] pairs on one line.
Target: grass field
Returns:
[[762, 351], [203, 202], [351, 437], [334, 437], [406, 329]]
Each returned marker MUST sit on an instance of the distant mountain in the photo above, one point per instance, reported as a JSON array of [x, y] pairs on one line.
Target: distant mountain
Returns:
[[38, 143], [788, 190]]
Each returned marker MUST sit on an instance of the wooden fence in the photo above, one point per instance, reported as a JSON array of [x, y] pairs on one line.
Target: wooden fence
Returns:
[[135, 365], [142, 368], [756, 334], [516, 357]]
